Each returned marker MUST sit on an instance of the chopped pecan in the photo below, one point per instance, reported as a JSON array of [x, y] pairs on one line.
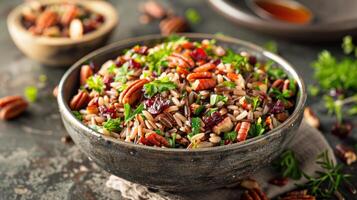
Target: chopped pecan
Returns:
[[279, 181], [155, 139], [298, 195], [86, 72], [223, 126], [346, 154], [203, 84], [79, 100], [173, 24], [198, 75], [242, 129], [311, 118], [46, 19], [133, 92], [12, 106]]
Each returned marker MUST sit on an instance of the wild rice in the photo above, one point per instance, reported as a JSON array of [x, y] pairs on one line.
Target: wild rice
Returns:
[[192, 92]]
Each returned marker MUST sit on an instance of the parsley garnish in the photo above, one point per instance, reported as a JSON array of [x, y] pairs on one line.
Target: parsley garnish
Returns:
[[276, 73], [78, 115], [159, 85], [129, 114], [172, 140], [233, 58], [288, 165], [31, 93], [192, 16], [257, 128], [229, 84], [211, 111], [231, 136], [280, 95], [113, 125], [215, 98], [122, 73], [96, 83], [195, 125]]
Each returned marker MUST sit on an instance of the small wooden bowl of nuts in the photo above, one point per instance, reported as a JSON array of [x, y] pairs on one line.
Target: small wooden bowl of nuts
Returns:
[[57, 33]]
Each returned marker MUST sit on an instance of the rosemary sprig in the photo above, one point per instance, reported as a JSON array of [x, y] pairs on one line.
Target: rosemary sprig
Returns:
[[328, 181]]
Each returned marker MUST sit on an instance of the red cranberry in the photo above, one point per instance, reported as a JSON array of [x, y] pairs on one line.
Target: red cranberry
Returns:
[[252, 60], [156, 104], [199, 54], [217, 62], [212, 120], [342, 130], [134, 64], [278, 107], [107, 80], [143, 50]]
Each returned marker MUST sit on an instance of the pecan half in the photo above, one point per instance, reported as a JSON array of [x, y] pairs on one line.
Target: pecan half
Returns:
[[155, 139], [79, 100], [278, 84], [86, 72], [173, 24], [154, 9], [133, 92], [11, 107], [46, 19], [203, 84], [254, 194], [346, 154], [166, 119], [311, 118], [298, 195], [199, 75], [205, 67]]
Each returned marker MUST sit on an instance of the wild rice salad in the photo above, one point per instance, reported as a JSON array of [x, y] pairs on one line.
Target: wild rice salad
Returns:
[[184, 94]]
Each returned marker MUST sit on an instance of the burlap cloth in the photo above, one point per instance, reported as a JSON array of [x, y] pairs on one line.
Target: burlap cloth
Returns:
[[308, 143]]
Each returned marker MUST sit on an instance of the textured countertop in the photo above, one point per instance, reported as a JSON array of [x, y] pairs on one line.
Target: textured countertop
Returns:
[[35, 164]]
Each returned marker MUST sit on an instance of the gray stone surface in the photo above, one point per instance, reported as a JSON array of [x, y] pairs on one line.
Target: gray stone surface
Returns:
[[34, 164]]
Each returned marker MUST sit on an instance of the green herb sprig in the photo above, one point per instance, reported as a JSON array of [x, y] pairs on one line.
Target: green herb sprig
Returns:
[[113, 125], [129, 114], [159, 85], [288, 165]]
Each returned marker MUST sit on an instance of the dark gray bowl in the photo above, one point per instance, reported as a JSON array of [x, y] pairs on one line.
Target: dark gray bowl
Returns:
[[178, 169]]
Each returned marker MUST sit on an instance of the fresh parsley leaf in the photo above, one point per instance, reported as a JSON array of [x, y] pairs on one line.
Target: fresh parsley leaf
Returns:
[[215, 98], [31, 93], [255, 102], [288, 165], [276, 73], [172, 140], [313, 90], [257, 128], [229, 84], [159, 85], [195, 125], [122, 73], [96, 83], [111, 69], [233, 58], [211, 111], [113, 125], [78, 115], [231, 136], [192, 16], [271, 46], [199, 110], [280, 95], [129, 114]]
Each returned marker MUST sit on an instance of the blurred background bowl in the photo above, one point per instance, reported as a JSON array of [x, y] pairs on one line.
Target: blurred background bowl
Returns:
[[62, 51], [178, 169]]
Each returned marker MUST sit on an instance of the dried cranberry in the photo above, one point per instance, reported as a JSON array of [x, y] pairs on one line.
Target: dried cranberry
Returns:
[[143, 50], [156, 104], [342, 130], [134, 64], [104, 111], [278, 107], [199, 54], [252, 60], [99, 18], [212, 120], [107, 81], [217, 62]]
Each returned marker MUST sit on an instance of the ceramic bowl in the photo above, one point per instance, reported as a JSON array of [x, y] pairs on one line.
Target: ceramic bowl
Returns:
[[61, 51], [178, 169]]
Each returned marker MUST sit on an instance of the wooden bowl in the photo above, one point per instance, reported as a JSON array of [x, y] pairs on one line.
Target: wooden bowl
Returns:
[[331, 20], [178, 169], [61, 51]]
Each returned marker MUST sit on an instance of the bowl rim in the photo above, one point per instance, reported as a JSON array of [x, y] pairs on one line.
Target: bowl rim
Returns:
[[67, 113], [111, 21]]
